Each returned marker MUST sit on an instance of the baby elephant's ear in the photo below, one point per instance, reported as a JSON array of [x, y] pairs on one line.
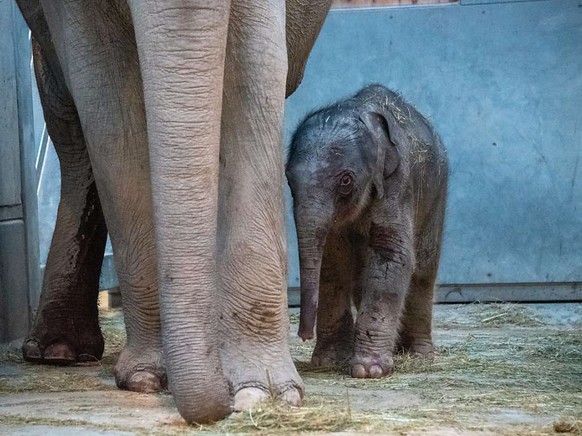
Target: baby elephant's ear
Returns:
[[383, 153]]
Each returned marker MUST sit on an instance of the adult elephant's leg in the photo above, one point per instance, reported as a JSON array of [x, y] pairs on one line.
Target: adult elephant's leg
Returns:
[[252, 251], [95, 41], [66, 327], [182, 48], [304, 21]]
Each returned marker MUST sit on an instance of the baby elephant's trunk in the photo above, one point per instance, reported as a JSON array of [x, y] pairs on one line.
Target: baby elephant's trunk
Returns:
[[311, 242]]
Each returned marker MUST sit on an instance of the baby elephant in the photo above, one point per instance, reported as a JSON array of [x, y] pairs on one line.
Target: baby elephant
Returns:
[[369, 182]]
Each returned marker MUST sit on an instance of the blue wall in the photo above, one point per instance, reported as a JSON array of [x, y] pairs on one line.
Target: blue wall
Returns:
[[502, 84]]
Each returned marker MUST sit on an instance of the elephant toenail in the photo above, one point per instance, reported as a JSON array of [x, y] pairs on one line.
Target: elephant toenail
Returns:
[[247, 398], [59, 353], [144, 381], [292, 397], [31, 350], [326, 362], [358, 371], [376, 371]]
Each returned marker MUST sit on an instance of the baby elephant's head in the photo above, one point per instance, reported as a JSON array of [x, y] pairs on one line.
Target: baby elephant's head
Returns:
[[338, 160]]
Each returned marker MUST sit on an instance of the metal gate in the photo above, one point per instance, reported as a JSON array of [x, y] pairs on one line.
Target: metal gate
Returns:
[[19, 254]]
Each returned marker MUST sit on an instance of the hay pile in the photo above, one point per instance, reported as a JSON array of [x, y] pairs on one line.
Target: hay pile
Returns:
[[499, 368]]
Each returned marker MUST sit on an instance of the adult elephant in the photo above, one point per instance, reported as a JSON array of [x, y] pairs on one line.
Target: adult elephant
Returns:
[[188, 95]]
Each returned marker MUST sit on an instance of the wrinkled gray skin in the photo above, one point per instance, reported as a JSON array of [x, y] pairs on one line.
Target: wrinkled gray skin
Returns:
[[167, 118], [369, 179]]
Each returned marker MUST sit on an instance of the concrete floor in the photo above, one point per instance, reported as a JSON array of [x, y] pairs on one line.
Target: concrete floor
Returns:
[[501, 369]]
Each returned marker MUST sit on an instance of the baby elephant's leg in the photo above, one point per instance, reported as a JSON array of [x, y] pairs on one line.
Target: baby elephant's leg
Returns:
[[416, 328], [335, 324], [415, 331], [387, 279]]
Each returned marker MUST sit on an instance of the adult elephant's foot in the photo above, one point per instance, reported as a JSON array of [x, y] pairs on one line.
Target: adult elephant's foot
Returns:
[[64, 343], [141, 371], [247, 398], [371, 365], [261, 372]]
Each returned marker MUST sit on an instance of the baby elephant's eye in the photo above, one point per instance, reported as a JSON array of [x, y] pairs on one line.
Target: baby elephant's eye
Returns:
[[346, 184]]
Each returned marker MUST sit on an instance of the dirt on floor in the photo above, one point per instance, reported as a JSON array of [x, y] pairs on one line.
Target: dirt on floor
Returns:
[[500, 369]]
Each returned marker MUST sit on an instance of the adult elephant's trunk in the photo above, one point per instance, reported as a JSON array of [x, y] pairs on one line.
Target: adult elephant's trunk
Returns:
[[311, 238], [182, 46]]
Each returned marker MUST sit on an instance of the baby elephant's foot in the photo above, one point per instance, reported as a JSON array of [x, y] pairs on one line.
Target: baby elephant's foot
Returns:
[[326, 360], [330, 355], [140, 372], [426, 351], [376, 366], [418, 348]]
